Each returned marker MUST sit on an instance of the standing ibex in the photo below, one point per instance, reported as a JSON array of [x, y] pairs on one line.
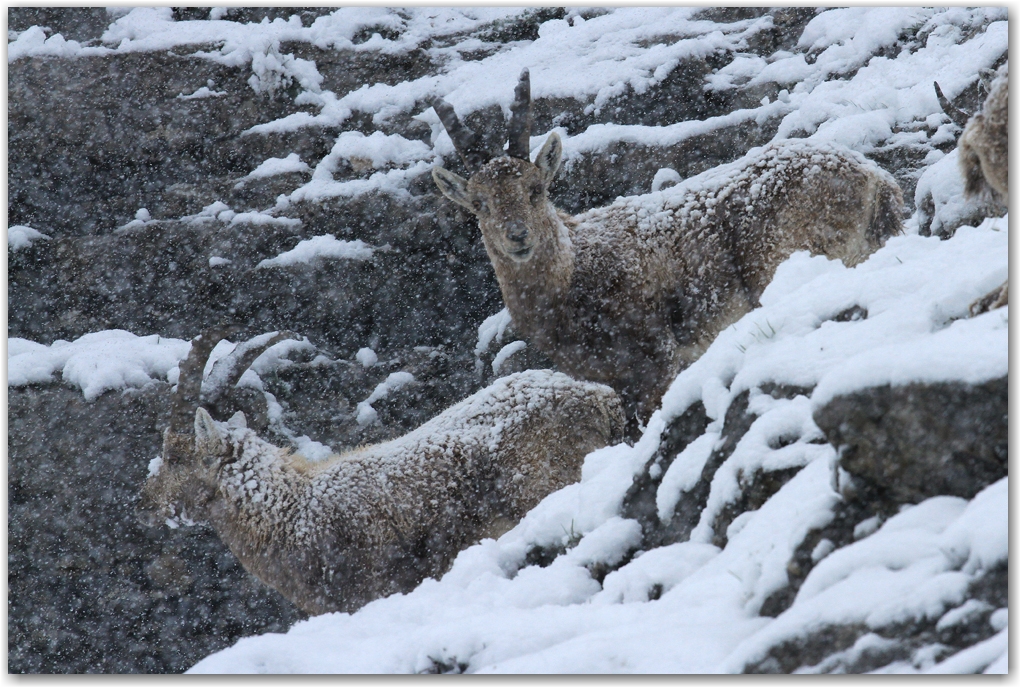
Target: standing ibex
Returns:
[[984, 143], [630, 294], [984, 159], [335, 534]]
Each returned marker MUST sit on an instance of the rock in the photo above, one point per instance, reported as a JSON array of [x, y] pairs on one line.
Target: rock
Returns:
[[857, 648], [920, 440], [639, 502], [89, 589]]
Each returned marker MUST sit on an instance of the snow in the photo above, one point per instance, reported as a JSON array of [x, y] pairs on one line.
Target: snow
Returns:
[[591, 61], [497, 616], [321, 247], [278, 165], [367, 357], [20, 236], [491, 329], [690, 606], [95, 363], [505, 353], [203, 92], [394, 381]]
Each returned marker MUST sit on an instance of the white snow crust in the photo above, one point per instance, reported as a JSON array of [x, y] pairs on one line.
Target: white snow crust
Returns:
[[321, 247], [20, 236]]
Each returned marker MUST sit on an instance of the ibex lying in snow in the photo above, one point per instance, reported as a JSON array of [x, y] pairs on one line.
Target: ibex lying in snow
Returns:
[[984, 159], [630, 294], [335, 534]]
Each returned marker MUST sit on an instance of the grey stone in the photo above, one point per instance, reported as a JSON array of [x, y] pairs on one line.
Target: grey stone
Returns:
[[921, 440]]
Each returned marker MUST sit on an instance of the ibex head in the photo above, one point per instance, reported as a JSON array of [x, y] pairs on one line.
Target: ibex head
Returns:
[[508, 193], [182, 481]]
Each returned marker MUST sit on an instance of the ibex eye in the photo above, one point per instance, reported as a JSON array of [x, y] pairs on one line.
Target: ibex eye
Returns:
[[480, 206], [536, 194]]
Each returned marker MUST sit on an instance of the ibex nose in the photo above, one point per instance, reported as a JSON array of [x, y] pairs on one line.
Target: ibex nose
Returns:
[[517, 231]]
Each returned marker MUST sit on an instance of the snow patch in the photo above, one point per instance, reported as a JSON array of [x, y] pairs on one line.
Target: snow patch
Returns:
[[321, 248], [20, 236]]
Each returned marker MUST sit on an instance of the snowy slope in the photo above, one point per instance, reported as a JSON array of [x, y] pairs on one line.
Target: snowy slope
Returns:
[[688, 607], [494, 614]]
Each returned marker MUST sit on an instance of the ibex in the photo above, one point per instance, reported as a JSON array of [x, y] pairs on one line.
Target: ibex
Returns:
[[630, 294], [336, 534], [984, 143], [984, 159]]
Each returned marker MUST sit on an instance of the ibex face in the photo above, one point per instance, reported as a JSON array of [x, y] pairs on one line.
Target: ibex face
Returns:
[[182, 480], [508, 193]]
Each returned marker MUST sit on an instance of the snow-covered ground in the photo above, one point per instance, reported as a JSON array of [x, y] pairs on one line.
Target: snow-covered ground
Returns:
[[495, 615], [490, 612]]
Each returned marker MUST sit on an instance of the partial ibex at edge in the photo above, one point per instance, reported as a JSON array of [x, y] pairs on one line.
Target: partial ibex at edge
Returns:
[[630, 294], [984, 143], [336, 534], [984, 159]]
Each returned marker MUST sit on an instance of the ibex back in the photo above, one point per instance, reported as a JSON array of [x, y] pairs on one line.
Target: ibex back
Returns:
[[630, 294], [335, 534]]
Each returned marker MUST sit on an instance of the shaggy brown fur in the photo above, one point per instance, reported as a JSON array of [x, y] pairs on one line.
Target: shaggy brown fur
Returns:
[[336, 534], [630, 294], [984, 144], [984, 164]]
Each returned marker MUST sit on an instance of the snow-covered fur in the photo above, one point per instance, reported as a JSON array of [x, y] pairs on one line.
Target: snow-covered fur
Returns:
[[630, 294], [984, 163], [334, 534], [984, 144]]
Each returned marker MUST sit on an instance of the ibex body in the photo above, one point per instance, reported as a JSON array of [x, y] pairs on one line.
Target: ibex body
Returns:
[[335, 534], [630, 294], [984, 144], [984, 160]]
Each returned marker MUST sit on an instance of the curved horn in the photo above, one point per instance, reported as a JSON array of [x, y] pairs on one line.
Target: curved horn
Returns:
[[958, 116], [189, 384], [468, 143], [519, 128], [228, 370]]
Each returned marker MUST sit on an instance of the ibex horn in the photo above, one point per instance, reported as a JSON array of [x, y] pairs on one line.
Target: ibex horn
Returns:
[[228, 369], [519, 128], [189, 383], [958, 116], [468, 143]]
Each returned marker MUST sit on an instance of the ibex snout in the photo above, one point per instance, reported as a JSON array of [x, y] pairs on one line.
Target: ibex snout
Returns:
[[518, 245]]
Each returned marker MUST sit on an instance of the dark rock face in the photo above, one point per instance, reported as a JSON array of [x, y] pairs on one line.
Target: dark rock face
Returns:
[[89, 589], [828, 650], [922, 440]]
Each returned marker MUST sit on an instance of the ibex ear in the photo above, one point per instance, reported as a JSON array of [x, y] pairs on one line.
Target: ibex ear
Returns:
[[453, 187], [238, 421], [209, 443], [549, 157]]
